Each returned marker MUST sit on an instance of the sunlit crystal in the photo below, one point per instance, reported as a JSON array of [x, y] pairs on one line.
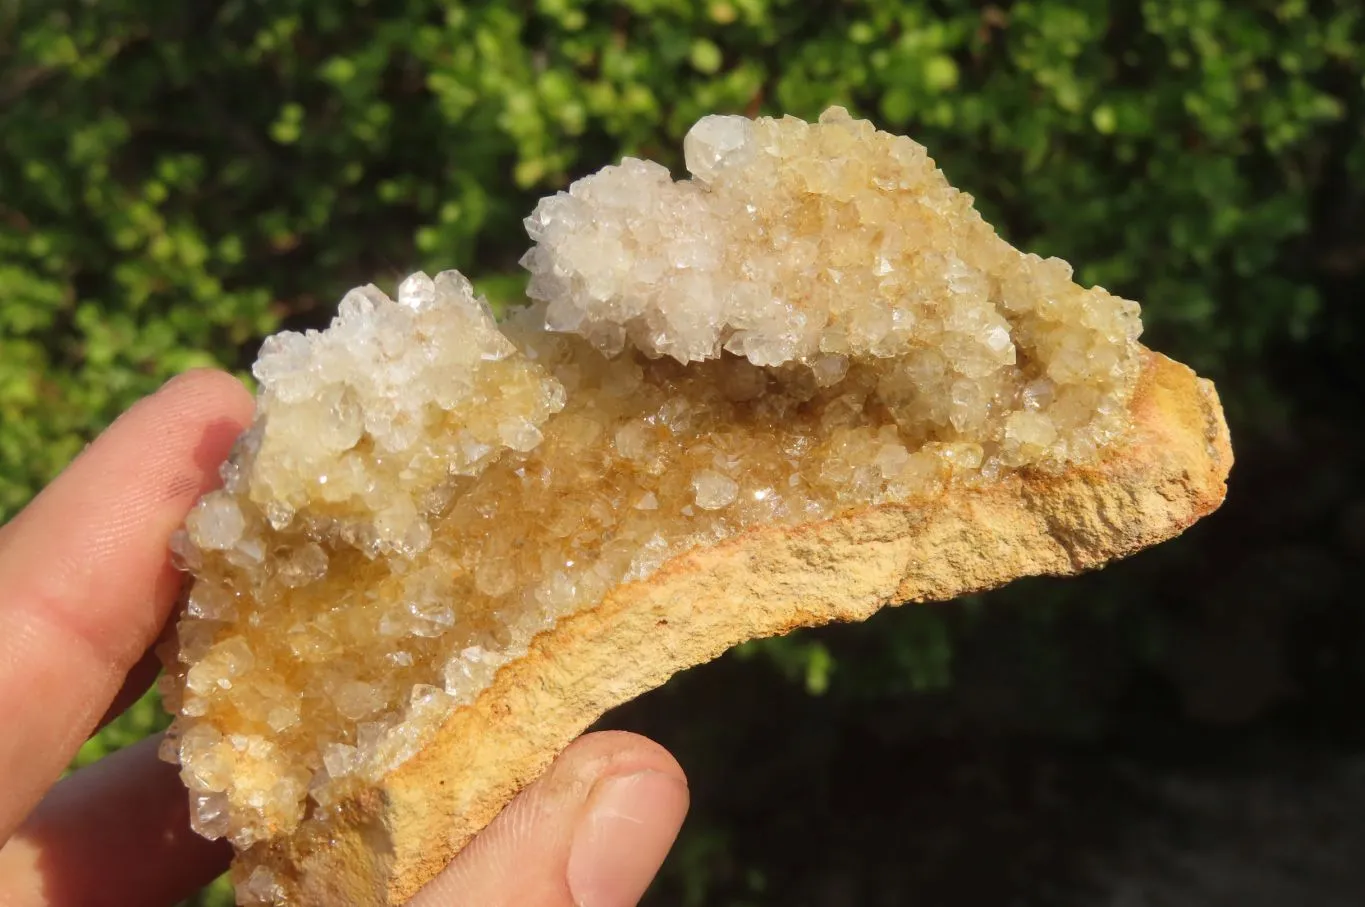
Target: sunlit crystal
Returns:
[[714, 490], [216, 523], [814, 323]]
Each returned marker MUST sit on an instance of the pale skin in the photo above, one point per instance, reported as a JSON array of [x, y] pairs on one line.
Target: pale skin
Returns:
[[86, 588]]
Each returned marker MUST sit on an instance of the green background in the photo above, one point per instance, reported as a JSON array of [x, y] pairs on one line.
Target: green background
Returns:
[[179, 179]]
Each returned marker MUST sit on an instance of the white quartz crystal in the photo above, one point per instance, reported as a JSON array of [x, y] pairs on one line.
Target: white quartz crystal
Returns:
[[216, 521], [717, 142], [714, 490], [372, 426]]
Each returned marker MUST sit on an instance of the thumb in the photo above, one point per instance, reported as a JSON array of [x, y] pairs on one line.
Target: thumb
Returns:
[[591, 833]]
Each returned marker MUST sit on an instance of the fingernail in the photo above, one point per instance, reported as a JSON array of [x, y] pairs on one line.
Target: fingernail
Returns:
[[622, 839]]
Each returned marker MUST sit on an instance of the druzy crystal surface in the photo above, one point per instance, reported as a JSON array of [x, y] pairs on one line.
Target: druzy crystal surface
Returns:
[[816, 321]]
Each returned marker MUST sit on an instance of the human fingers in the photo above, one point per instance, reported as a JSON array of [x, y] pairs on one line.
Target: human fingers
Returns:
[[139, 680], [85, 576], [116, 833], [591, 833]]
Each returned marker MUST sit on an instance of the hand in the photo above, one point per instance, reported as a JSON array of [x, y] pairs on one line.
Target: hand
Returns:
[[85, 589]]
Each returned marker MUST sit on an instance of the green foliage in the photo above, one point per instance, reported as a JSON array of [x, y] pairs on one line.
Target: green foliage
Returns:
[[806, 661], [178, 179]]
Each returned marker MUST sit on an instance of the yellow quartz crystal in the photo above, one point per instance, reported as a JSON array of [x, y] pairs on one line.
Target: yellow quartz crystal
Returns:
[[815, 322]]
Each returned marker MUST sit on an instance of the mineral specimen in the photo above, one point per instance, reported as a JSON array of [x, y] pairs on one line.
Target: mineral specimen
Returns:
[[815, 345]]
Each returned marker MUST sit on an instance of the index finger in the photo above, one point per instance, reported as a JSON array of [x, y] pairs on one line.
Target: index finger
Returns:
[[85, 579]]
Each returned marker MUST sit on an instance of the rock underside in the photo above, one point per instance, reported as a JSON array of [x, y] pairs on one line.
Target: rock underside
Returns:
[[447, 544]]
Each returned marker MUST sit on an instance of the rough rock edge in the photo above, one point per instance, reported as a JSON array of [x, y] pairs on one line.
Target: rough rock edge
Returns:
[[395, 837]]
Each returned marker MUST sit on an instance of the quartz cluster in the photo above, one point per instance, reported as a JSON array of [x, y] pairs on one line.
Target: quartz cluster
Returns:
[[829, 244], [815, 322]]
